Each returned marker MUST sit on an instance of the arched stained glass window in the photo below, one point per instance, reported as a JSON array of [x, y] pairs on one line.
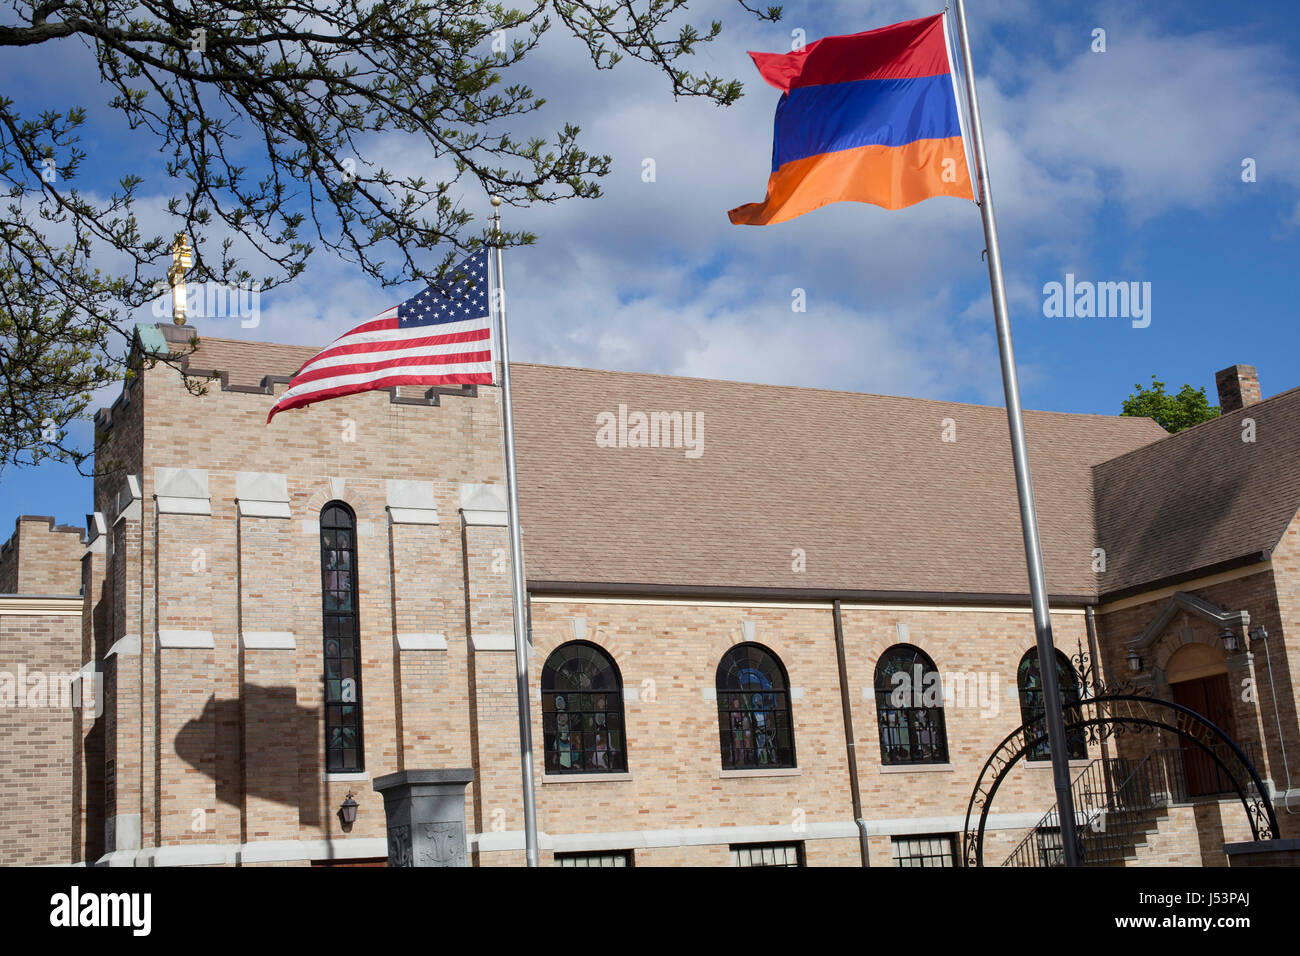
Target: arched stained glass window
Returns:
[[909, 707], [342, 639], [755, 726], [582, 711], [1029, 681]]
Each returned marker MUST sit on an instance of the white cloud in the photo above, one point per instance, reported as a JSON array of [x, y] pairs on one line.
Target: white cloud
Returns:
[[653, 276]]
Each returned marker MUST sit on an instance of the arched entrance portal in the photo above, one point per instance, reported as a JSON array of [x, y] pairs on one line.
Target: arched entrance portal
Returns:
[[1106, 715], [1198, 680]]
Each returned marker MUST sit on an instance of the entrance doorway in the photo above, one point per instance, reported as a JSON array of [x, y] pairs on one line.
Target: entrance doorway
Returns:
[[1198, 679]]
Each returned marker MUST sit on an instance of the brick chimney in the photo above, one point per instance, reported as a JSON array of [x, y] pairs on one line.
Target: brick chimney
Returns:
[[1238, 387]]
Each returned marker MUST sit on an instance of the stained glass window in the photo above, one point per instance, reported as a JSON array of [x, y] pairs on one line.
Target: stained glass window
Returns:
[[342, 644], [909, 708], [754, 722], [1029, 680], [582, 711]]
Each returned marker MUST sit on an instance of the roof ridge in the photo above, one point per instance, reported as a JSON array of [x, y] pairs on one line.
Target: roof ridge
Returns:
[[813, 388], [1202, 425]]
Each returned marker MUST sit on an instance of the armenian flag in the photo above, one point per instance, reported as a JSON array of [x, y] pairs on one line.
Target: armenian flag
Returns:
[[870, 117]]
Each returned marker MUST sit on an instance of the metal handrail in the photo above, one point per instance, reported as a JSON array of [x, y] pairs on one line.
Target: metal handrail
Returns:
[[1084, 789], [1108, 829]]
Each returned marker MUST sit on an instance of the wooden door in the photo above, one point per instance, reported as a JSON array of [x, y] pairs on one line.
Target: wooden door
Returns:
[[1211, 697]]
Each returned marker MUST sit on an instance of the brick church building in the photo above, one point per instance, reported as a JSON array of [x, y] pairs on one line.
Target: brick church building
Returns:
[[725, 583]]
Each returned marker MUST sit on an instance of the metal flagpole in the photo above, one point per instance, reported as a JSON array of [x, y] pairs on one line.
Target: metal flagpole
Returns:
[[1020, 458], [516, 555]]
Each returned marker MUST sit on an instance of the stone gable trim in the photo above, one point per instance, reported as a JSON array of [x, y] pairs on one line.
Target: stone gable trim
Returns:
[[1238, 621], [268, 640], [483, 505], [425, 642], [411, 502], [493, 642], [182, 491], [261, 494], [126, 646], [175, 638], [127, 500]]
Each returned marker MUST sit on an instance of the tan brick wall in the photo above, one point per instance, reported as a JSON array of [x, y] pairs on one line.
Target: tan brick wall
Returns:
[[41, 557], [1270, 596], [1284, 646], [37, 742], [1194, 835], [39, 653], [232, 738], [244, 716], [674, 648]]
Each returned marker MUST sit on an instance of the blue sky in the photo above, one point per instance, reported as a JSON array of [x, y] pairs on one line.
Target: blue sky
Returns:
[[1122, 165]]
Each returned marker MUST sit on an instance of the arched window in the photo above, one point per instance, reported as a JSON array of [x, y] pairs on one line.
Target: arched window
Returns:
[[1029, 680], [754, 721], [582, 711], [909, 707], [342, 634]]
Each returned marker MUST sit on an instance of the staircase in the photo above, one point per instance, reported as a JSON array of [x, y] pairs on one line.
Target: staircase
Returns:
[[1117, 806]]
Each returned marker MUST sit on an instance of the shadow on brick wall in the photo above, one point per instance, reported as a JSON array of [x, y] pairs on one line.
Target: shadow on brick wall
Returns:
[[280, 749]]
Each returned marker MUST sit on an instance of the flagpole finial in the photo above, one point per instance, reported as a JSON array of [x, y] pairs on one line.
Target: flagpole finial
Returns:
[[496, 200]]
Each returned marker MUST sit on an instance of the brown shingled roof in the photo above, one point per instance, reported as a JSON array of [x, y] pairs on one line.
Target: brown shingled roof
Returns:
[[863, 484], [1201, 498]]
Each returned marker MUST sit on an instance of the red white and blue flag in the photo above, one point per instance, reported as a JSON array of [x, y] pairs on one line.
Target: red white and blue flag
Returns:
[[442, 336]]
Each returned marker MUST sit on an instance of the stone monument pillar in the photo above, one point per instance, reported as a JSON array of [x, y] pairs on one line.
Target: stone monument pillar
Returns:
[[425, 811]]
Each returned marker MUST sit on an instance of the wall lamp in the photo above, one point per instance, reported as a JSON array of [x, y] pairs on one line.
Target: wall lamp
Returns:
[[348, 813], [1134, 661], [1231, 642]]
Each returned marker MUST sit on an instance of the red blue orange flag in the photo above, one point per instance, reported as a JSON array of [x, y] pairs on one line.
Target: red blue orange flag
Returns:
[[871, 117]]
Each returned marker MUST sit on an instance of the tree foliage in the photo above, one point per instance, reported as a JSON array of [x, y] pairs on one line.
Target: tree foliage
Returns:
[[1173, 413], [266, 115]]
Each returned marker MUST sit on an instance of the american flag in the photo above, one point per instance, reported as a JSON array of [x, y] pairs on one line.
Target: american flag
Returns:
[[442, 336]]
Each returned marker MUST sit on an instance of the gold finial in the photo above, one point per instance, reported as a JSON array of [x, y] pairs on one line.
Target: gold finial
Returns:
[[182, 259]]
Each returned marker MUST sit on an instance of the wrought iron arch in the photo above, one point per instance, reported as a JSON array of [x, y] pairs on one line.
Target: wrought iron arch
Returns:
[[1114, 714]]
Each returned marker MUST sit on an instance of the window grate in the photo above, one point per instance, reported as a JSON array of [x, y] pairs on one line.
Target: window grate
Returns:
[[767, 854], [612, 858], [930, 849]]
